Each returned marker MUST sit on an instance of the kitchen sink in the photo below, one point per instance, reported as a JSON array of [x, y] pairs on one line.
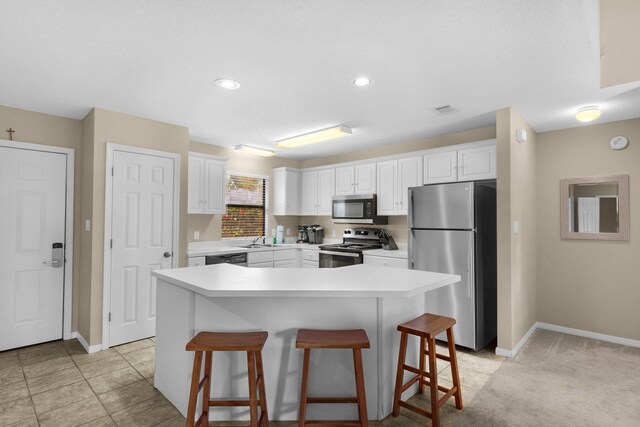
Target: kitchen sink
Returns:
[[256, 245]]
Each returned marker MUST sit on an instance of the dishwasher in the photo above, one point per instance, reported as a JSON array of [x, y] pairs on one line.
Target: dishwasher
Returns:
[[236, 259]]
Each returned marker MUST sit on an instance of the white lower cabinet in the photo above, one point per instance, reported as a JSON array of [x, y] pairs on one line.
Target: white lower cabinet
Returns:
[[385, 261], [310, 258], [290, 263], [268, 264], [262, 259], [310, 264], [196, 261]]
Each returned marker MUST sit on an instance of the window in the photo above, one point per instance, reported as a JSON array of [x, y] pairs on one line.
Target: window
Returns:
[[246, 206]]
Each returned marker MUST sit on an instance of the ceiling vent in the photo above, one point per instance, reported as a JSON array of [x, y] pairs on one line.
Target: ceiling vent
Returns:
[[446, 110]]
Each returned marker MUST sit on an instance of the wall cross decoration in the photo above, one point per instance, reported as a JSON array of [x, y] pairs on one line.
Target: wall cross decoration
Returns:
[[10, 131]]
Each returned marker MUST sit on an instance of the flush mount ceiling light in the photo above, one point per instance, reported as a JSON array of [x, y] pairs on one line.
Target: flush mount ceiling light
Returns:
[[227, 84], [255, 150], [313, 137], [588, 114], [362, 81]]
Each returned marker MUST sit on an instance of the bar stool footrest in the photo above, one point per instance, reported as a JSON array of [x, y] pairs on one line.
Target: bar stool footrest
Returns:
[[332, 400], [232, 402], [415, 409]]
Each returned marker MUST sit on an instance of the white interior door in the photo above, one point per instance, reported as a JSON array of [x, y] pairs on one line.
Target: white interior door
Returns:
[[32, 207], [142, 241]]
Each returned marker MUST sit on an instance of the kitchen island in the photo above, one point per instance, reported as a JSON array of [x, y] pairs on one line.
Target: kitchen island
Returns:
[[280, 301]]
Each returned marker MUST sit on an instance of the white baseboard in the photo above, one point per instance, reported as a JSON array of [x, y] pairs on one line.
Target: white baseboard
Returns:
[[565, 330], [90, 348], [511, 353]]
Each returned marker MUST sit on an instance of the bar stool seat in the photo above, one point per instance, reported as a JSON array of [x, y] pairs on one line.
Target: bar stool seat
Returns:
[[333, 339], [208, 342], [427, 327]]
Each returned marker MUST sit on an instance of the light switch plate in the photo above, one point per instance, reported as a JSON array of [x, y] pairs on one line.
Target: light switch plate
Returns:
[[516, 227], [196, 235], [87, 225]]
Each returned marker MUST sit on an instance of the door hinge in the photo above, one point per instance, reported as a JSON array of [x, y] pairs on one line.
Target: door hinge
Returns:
[[111, 244], [109, 316]]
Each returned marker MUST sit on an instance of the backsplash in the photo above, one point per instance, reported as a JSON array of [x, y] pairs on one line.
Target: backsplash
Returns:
[[397, 226]]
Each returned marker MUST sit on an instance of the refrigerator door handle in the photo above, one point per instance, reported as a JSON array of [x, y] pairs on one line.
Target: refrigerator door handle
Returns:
[[410, 210], [471, 269]]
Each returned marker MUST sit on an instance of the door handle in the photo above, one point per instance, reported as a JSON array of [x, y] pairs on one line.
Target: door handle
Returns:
[[51, 263], [57, 256], [167, 254]]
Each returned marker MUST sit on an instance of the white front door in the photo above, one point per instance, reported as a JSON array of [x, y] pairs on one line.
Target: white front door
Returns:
[[142, 240], [32, 220]]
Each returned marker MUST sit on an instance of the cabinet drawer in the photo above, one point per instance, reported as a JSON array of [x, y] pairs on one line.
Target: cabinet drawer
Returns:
[[196, 261], [310, 255], [385, 261], [289, 263], [263, 256], [285, 254], [310, 264], [268, 264]]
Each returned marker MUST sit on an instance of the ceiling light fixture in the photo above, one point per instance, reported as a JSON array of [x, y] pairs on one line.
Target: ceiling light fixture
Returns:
[[313, 137], [227, 84], [588, 114], [255, 150], [362, 81]]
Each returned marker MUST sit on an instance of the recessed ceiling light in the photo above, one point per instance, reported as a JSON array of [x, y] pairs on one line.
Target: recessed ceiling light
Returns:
[[227, 84], [588, 114], [313, 137], [362, 81]]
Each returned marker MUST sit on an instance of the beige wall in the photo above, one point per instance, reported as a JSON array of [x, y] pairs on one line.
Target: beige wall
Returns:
[[517, 263], [619, 42], [122, 129], [584, 284], [57, 131], [209, 226]]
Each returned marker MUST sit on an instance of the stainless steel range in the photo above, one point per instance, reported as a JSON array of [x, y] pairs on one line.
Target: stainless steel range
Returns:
[[349, 252]]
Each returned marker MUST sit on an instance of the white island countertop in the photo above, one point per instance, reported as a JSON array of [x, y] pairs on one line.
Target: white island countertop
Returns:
[[224, 280]]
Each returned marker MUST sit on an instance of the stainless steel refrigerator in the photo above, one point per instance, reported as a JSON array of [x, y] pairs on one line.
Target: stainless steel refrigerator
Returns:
[[452, 229]]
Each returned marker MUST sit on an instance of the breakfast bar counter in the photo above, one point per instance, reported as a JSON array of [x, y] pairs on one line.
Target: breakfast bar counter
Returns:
[[280, 301]]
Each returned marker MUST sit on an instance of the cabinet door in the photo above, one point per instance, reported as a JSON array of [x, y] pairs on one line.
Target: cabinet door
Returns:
[[326, 188], [440, 167], [268, 264], [344, 181], [309, 193], [310, 264], [365, 177], [195, 185], [477, 163], [197, 261], [409, 175], [279, 188], [385, 261], [387, 186], [286, 264], [215, 186], [291, 193]]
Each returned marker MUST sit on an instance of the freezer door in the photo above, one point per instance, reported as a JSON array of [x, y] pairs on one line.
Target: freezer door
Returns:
[[448, 206], [451, 252]]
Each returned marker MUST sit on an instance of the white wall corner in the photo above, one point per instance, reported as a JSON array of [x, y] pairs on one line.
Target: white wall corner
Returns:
[[512, 353], [89, 348]]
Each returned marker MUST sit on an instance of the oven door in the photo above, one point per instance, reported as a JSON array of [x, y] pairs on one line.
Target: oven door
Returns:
[[334, 259]]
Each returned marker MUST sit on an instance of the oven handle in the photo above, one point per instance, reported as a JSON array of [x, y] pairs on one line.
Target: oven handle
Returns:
[[347, 254]]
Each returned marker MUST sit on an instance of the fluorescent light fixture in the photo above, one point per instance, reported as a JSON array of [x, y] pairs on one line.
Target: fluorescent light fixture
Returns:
[[362, 81], [255, 150], [313, 137], [588, 114], [227, 84]]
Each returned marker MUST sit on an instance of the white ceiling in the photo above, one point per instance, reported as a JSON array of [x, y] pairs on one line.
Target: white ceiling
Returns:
[[296, 59]]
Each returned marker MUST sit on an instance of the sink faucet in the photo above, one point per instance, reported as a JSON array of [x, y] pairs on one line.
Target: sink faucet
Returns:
[[253, 242]]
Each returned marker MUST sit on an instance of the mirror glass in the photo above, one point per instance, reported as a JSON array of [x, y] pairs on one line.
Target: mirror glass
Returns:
[[595, 208]]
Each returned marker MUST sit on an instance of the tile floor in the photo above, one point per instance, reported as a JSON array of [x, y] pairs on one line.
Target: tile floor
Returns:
[[59, 384]]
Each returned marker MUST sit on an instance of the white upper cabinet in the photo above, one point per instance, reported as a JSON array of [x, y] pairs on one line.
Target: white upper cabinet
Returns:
[[477, 163], [409, 175], [207, 184], [358, 179], [286, 191], [440, 167], [462, 164], [344, 180], [317, 188], [394, 179]]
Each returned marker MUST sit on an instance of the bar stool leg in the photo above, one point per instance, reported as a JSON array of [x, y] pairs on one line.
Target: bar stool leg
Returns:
[[454, 368], [193, 394], [302, 412], [400, 374], [253, 403], [264, 412], [423, 343], [206, 393], [360, 389], [433, 379]]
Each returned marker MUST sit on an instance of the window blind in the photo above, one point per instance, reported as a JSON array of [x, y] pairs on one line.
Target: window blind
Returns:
[[246, 207]]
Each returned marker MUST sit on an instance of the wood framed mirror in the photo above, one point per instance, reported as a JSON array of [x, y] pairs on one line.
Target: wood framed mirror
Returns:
[[595, 208]]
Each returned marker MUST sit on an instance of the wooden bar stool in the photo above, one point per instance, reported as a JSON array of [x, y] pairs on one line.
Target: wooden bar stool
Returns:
[[208, 342], [427, 327], [353, 339]]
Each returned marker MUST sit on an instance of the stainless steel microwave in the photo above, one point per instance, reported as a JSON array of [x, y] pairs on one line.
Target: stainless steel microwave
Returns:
[[357, 209]]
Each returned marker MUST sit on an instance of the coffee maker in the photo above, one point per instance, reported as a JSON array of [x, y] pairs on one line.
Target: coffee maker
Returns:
[[303, 236]]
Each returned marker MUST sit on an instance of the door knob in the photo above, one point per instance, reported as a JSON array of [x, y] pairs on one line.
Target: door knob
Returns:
[[167, 254]]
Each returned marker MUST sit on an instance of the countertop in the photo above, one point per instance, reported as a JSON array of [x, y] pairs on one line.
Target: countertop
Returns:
[[195, 251], [224, 280]]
